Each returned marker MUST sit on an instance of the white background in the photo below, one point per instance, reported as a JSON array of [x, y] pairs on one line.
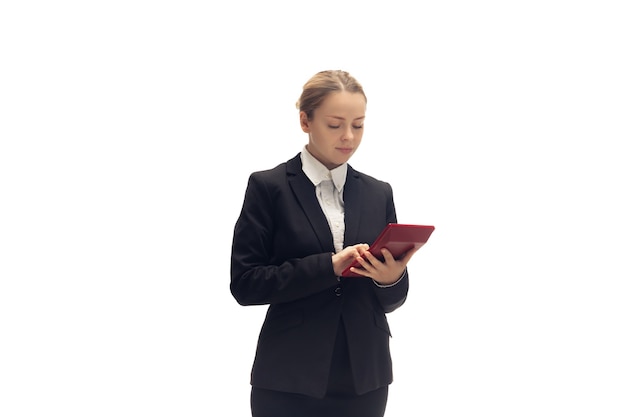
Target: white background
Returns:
[[128, 130]]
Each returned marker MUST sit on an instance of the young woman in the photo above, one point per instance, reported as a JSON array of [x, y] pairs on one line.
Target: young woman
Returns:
[[323, 349]]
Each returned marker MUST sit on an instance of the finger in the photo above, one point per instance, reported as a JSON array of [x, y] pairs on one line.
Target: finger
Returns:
[[360, 271], [374, 261], [362, 248], [387, 255]]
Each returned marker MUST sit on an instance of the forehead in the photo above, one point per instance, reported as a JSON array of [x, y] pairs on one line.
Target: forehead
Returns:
[[343, 103]]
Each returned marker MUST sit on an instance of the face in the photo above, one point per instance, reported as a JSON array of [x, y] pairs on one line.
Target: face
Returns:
[[336, 129]]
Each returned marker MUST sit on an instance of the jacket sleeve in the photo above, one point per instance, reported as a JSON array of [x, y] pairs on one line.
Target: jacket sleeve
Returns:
[[392, 296], [257, 276]]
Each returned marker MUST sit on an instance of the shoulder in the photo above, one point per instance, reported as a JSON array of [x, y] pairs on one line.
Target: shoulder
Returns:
[[368, 180], [268, 174], [278, 174]]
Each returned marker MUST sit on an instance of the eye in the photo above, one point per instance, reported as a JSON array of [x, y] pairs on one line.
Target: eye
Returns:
[[358, 127], [333, 127]]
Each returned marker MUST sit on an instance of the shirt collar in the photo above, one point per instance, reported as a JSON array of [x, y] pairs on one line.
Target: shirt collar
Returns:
[[317, 172]]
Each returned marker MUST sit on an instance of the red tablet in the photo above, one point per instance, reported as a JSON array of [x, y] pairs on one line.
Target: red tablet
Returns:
[[398, 239]]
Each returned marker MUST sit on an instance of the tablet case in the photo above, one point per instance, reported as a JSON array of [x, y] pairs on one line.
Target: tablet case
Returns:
[[398, 239]]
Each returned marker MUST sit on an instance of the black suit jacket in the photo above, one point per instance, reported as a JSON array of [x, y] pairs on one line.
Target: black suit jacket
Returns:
[[281, 256]]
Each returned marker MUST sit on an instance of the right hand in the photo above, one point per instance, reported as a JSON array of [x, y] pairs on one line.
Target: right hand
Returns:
[[344, 258]]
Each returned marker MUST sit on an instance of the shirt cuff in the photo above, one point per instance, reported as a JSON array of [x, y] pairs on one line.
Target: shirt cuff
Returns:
[[391, 285]]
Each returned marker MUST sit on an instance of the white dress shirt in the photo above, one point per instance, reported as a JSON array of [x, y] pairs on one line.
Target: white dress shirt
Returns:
[[329, 191]]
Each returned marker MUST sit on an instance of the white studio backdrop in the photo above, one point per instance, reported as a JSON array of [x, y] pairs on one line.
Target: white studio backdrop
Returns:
[[128, 131]]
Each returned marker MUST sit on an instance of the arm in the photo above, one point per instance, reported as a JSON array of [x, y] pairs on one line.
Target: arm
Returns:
[[389, 277], [260, 275], [393, 296]]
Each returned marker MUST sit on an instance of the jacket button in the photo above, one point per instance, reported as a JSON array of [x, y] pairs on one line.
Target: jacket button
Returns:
[[338, 291]]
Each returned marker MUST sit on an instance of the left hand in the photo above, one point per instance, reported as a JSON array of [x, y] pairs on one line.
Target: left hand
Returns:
[[384, 272]]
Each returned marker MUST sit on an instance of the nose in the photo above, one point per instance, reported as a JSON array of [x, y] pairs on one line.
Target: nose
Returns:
[[348, 134]]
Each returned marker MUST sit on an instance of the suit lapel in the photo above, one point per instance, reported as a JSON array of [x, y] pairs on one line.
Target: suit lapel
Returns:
[[352, 205], [304, 191]]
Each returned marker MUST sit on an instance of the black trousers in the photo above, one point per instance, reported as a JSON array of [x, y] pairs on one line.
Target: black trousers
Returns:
[[340, 400], [267, 403]]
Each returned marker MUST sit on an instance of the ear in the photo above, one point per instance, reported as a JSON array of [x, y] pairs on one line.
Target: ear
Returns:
[[304, 122]]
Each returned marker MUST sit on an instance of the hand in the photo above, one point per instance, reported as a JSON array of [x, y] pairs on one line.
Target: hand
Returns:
[[344, 258], [384, 272]]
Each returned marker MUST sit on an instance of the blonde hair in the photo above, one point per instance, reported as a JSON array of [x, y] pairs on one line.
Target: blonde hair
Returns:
[[322, 84]]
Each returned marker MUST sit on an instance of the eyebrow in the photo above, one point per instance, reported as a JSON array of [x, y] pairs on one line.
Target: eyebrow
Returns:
[[341, 118]]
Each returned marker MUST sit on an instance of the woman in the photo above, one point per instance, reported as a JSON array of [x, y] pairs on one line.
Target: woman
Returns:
[[323, 349]]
